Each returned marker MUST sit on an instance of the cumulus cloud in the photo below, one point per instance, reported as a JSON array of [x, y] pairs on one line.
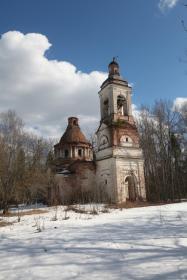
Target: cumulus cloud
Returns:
[[167, 4], [135, 111], [179, 103], [45, 92]]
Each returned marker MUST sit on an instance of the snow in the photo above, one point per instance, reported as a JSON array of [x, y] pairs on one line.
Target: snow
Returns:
[[147, 243]]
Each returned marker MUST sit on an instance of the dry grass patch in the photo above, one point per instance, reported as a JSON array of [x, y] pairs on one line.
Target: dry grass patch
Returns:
[[80, 210], [23, 213], [130, 204], [135, 204], [76, 210], [4, 223]]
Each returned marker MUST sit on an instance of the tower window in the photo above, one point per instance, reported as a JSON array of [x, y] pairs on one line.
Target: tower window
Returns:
[[127, 139], [80, 152], [125, 108], [106, 108], [66, 153], [122, 105]]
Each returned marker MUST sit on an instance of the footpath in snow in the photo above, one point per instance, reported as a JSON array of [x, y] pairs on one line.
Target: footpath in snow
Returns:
[[147, 243]]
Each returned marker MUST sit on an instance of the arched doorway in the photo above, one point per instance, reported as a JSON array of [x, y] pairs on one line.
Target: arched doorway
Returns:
[[130, 183]]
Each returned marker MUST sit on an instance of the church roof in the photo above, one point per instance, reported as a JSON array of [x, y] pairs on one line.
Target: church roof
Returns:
[[73, 133]]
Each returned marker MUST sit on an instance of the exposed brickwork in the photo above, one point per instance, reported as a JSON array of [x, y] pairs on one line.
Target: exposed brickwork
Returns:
[[79, 184], [73, 145], [74, 165]]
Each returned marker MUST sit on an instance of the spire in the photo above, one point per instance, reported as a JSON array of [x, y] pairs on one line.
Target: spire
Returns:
[[113, 68]]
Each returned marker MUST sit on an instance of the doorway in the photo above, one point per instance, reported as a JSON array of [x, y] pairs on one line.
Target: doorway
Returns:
[[130, 184]]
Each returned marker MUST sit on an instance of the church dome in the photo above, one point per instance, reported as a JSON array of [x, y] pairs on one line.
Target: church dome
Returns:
[[113, 62], [114, 75], [73, 133], [113, 68]]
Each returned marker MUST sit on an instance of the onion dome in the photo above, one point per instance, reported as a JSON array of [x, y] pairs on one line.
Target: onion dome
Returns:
[[113, 68], [114, 75]]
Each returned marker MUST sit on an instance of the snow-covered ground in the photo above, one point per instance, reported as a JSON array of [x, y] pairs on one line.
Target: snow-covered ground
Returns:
[[147, 243]]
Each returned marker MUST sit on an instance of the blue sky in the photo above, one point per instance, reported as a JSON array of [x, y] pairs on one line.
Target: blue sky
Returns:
[[149, 40]]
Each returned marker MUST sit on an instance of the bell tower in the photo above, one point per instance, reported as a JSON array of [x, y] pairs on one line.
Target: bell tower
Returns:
[[120, 172], [115, 96]]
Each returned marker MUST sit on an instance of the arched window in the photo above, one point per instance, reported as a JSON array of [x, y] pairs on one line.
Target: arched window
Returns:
[[125, 140], [66, 153], [80, 152], [125, 110], [106, 108], [122, 105]]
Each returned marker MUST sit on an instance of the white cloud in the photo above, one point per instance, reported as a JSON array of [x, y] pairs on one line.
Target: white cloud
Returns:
[[135, 112], [179, 102], [45, 92], [167, 4]]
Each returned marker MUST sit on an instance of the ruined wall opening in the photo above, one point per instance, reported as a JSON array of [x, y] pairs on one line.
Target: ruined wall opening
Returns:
[[106, 108], [66, 153], [130, 183], [80, 152], [122, 105], [126, 141]]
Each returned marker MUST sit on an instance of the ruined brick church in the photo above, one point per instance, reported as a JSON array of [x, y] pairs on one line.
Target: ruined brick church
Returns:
[[114, 169]]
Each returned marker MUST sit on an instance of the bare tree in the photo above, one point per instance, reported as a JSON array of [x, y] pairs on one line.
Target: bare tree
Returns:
[[10, 142], [23, 171], [161, 129]]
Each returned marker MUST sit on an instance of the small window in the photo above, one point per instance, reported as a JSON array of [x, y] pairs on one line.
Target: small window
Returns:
[[127, 139], [106, 182], [74, 122], [80, 152], [66, 153]]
